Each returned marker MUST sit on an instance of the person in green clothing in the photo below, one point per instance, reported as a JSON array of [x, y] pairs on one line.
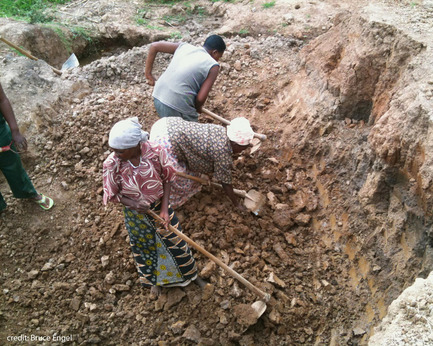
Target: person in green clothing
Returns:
[[12, 142]]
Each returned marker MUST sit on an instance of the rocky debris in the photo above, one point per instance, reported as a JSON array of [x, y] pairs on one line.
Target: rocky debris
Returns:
[[178, 327], [160, 302], [47, 266], [245, 314], [208, 270], [275, 280], [208, 291], [120, 287], [105, 260], [302, 219], [174, 296], [32, 274], [75, 304], [409, 318], [283, 218], [192, 334], [358, 331], [327, 102]]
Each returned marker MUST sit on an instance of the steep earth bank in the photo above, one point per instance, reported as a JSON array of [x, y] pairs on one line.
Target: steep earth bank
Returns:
[[345, 100]]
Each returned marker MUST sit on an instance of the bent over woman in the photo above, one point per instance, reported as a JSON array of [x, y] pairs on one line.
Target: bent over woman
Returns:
[[197, 148], [138, 174]]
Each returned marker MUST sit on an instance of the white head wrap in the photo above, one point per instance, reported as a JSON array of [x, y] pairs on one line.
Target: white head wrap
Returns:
[[126, 134], [240, 131]]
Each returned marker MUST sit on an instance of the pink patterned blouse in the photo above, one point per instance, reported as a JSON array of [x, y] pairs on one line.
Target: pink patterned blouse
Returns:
[[121, 178]]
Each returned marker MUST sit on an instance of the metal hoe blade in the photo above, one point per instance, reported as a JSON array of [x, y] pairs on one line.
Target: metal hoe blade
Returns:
[[254, 201], [256, 143], [259, 307], [70, 63]]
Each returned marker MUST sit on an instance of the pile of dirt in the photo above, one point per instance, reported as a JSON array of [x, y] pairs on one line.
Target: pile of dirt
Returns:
[[346, 226], [409, 318]]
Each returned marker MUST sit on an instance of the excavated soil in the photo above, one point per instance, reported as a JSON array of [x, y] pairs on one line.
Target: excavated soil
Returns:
[[342, 92]]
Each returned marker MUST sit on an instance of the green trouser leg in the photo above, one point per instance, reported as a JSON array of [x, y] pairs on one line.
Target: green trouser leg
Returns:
[[16, 176], [2, 203]]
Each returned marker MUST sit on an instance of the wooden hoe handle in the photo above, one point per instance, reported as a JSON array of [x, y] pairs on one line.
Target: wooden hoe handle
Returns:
[[240, 193], [260, 136], [260, 293], [27, 54], [192, 177]]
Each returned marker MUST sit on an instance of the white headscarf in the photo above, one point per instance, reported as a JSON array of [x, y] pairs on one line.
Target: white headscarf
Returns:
[[126, 134], [240, 131]]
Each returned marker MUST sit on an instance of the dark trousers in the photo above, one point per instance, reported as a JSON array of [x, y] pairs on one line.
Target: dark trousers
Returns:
[[16, 176], [166, 111]]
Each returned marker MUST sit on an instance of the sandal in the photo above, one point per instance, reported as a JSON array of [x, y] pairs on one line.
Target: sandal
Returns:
[[45, 202]]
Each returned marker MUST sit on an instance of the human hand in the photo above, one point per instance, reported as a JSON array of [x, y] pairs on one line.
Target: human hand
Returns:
[[241, 208], [141, 207], [150, 79], [165, 217], [19, 141]]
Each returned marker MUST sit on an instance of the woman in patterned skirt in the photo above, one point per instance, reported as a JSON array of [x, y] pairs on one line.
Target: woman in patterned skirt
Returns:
[[138, 175]]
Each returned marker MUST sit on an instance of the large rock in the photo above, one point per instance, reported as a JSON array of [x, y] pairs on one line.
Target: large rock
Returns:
[[409, 318]]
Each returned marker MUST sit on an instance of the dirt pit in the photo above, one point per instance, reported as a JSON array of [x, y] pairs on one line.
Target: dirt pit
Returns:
[[344, 96]]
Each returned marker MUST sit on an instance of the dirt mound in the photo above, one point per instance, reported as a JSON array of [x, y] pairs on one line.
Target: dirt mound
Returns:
[[410, 309], [345, 169]]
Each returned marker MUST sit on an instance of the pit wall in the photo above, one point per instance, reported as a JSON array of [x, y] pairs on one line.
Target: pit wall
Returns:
[[357, 94]]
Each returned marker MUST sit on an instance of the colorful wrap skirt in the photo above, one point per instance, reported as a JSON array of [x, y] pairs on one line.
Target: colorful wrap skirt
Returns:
[[161, 257]]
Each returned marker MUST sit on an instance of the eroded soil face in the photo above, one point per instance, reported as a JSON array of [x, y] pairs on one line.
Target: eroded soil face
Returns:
[[346, 225]]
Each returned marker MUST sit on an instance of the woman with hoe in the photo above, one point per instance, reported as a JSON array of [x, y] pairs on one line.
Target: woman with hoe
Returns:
[[138, 175]]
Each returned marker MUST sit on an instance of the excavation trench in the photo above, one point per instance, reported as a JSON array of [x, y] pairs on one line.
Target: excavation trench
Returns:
[[344, 231]]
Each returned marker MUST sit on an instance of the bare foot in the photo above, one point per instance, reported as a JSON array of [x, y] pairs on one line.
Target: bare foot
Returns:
[[199, 281], [155, 291]]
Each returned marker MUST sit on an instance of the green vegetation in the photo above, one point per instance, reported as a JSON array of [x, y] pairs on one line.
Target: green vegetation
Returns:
[[32, 11], [66, 42], [176, 35], [35, 11], [155, 27], [175, 19], [189, 9], [141, 21], [197, 10], [76, 31], [269, 4], [164, 2], [139, 17], [243, 32]]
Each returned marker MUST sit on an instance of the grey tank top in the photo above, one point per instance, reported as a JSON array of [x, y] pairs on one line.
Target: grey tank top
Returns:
[[179, 85]]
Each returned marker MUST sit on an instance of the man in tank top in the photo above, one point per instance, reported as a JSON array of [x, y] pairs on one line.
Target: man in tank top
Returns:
[[185, 85]]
